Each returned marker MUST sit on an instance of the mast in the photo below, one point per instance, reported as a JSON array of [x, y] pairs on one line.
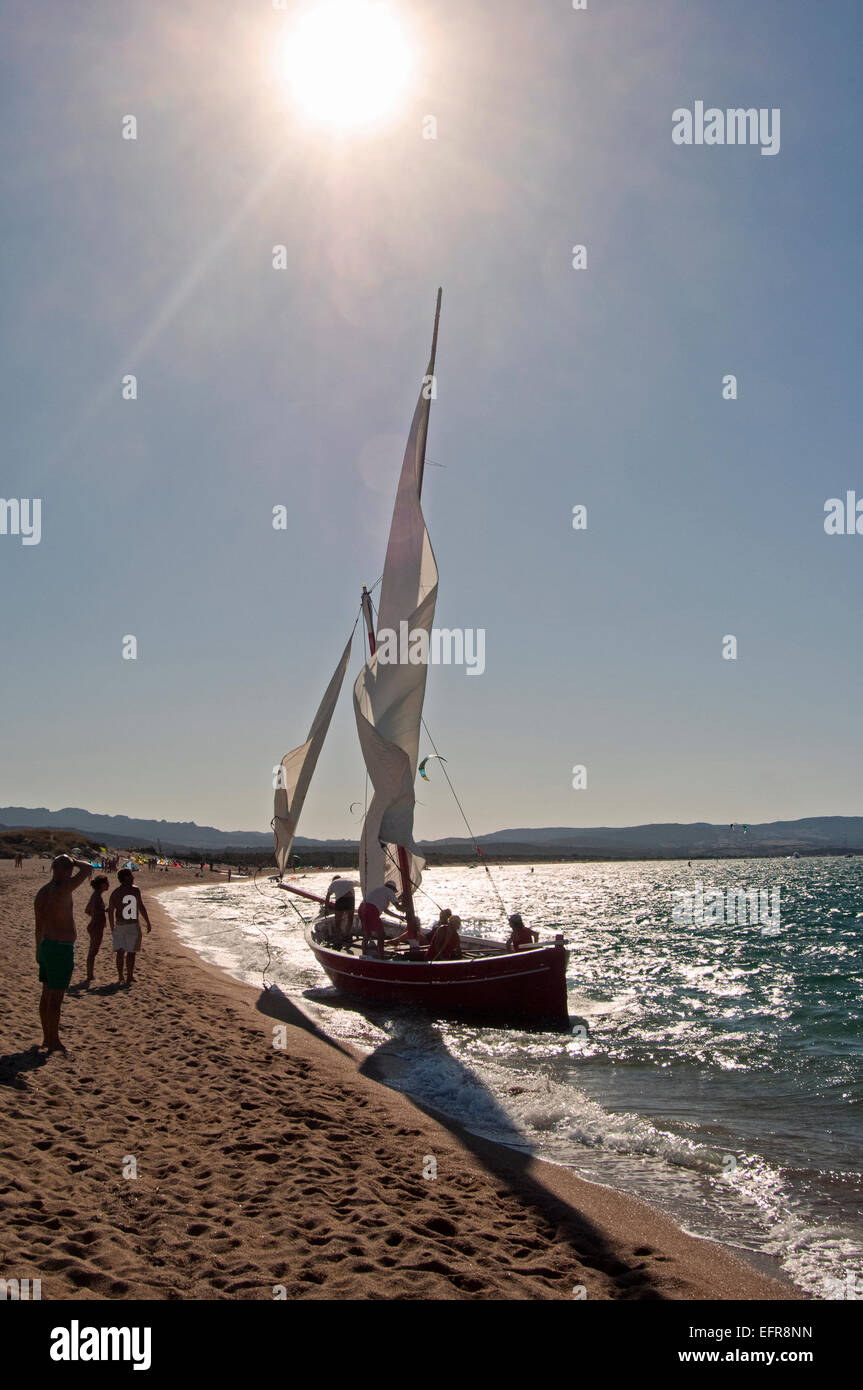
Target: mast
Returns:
[[388, 698], [404, 861], [368, 617], [422, 466]]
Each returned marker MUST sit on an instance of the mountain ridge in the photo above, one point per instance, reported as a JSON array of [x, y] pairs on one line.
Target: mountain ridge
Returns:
[[809, 834]]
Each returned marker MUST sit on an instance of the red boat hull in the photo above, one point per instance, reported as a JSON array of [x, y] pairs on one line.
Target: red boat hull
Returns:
[[527, 986]]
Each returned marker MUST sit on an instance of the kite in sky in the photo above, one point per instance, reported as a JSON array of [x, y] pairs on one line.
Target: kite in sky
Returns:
[[422, 766]]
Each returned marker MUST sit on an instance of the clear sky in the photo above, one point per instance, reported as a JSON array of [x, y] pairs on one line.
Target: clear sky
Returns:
[[556, 387]]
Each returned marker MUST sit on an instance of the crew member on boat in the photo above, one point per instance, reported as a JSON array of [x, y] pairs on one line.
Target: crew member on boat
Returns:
[[520, 935], [424, 936], [445, 943], [377, 901], [341, 895]]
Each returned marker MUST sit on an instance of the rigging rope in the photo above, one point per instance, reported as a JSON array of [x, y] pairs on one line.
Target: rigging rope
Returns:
[[257, 926], [442, 764]]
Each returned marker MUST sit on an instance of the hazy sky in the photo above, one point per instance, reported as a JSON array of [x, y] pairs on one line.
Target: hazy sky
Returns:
[[555, 387]]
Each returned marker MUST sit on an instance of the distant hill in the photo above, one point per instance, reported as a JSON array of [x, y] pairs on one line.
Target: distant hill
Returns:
[[29, 842], [126, 831], [812, 835]]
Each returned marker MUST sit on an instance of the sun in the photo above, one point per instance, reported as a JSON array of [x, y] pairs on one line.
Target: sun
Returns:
[[347, 62]]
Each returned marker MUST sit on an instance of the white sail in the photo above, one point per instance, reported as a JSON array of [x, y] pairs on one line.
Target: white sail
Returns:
[[389, 692], [298, 765]]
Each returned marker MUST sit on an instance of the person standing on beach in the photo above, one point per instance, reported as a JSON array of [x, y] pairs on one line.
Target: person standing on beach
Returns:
[[125, 910], [95, 910], [55, 942]]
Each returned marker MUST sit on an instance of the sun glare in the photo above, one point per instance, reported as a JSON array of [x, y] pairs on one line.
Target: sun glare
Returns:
[[347, 62]]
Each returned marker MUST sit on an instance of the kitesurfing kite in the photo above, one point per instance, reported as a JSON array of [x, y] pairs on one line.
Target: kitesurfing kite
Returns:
[[422, 767]]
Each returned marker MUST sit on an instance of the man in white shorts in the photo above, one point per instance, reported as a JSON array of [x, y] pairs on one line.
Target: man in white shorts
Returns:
[[125, 911]]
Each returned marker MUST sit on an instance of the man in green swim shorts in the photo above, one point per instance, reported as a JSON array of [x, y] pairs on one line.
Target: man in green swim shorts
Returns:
[[55, 942]]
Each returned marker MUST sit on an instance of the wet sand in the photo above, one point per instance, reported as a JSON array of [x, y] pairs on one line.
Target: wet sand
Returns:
[[264, 1169]]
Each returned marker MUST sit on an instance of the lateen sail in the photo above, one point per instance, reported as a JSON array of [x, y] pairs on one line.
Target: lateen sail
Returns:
[[298, 765], [389, 693]]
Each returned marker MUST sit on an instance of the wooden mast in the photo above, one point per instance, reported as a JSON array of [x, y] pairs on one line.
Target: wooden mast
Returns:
[[404, 862], [413, 925]]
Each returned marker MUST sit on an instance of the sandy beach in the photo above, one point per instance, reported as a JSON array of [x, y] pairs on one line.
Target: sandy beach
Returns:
[[260, 1167]]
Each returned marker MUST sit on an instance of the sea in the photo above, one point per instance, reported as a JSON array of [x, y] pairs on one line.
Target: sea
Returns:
[[714, 1065]]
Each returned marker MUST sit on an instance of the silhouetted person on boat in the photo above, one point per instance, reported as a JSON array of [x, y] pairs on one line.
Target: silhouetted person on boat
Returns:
[[341, 895], [520, 935], [424, 936], [445, 943], [377, 901]]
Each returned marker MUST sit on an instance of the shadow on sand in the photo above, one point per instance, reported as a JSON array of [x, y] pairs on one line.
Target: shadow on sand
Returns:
[[15, 1064], [275, 1004], [510, 1167]]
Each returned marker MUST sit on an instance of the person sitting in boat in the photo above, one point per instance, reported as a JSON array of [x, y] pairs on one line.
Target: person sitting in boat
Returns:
[[443, 918], [424, 936], [376, 902], [341, 895], [445, 943], [520, 935]]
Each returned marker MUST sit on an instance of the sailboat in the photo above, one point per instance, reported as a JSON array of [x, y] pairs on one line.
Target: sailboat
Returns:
[[490, 980]]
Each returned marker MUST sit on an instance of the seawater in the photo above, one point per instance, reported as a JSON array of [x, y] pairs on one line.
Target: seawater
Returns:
[[715, 1070]]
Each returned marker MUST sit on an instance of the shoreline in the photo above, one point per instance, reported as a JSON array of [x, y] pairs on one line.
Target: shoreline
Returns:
[[382, 1069], [297, 1167]]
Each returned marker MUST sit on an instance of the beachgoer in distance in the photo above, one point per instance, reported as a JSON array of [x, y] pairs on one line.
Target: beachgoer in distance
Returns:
[[125, 911], [95, 910], [55, 942], [341, 895], [520, 935]]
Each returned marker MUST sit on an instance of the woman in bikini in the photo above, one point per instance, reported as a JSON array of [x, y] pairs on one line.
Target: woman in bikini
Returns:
[[95, 910]]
